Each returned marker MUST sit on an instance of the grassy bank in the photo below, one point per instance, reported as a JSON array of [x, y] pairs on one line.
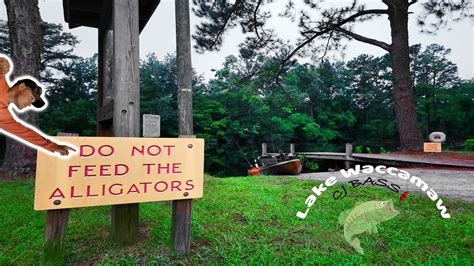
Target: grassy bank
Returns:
[[248, 220]]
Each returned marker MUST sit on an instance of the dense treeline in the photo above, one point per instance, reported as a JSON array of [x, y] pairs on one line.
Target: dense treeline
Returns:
[[318, 107], [322, 107]]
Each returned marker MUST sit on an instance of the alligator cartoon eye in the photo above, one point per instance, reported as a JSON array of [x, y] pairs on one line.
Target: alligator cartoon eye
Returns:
[[383, 202]]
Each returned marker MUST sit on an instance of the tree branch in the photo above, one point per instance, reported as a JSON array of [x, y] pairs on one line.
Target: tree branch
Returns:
[[327, 46], [361, 38], [326, 30], [255, 18], [226, 21], [356, 15]]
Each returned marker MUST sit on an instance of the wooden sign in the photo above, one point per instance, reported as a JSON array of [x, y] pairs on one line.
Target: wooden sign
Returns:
[[115, 170], [151, 125], [432, 147]]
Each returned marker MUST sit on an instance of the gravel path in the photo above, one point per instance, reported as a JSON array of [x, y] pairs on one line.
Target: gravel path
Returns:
[[447, 183]]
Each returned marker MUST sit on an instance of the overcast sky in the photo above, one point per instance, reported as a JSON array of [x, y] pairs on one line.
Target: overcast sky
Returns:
[[159, 36]]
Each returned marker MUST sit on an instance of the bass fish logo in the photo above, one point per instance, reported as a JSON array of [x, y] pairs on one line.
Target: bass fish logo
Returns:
[[364, 218]]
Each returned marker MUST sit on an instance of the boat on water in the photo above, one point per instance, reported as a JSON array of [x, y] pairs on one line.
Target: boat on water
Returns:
[[276, 165]]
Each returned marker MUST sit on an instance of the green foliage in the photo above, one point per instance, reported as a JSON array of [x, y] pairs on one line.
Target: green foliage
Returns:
[[469, 145], [71, 82], [319, 107], [58, 47], [359, 149], [431, 66], [444, 102], [308, 165], [158, 91], [72, 99], [241, 110]]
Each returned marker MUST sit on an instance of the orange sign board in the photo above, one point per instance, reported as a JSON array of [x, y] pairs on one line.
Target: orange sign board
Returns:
[[116, 170], [432, 147]]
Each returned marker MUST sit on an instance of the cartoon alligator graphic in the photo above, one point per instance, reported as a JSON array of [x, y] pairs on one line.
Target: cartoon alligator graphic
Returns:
[[365, 217]]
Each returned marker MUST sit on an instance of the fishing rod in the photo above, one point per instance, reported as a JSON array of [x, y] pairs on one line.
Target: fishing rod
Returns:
[[241, 151]]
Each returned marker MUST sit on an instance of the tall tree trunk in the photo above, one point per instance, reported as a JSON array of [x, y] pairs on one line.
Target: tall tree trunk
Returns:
[[26, 41], [407, 123], [182, 209]]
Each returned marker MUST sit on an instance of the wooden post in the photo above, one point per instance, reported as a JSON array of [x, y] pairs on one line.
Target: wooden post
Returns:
[[182, 209], [181, 226], [292, 149], [55, 231], [105, 91], [108, 56], [126, 105], [264, 148], [347, 163]]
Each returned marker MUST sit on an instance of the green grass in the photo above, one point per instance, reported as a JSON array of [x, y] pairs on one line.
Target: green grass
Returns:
[[247, 220]]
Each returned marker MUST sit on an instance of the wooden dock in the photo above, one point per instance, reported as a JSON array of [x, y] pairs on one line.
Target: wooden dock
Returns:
[[378, 159]]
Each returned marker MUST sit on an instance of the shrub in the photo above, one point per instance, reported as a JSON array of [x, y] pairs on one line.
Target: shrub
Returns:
[[308, 164], [469, 145]]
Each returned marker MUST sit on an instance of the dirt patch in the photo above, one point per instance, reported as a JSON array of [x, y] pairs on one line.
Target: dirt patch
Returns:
[[297, 231], [240, 219], [143, 231], [3, 176], [438, 155], [297, 241], [454, 169], [444, 157], [282, 182], [273, 222], [253, 239], [202, 243]]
